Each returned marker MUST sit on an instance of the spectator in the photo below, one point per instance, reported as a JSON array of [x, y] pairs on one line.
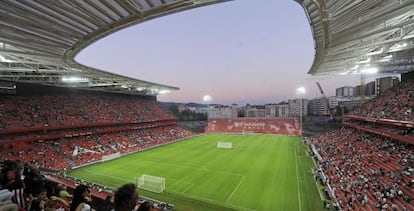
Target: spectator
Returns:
[[5, 201], [80, 199], [126, 197], [107, 205], [56, 204], [146, 206], [33, 180], [39, 199], [8, 206], [63, 192]]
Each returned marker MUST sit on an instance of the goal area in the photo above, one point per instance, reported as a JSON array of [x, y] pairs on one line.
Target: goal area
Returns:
[[151, 183], [225, 145]]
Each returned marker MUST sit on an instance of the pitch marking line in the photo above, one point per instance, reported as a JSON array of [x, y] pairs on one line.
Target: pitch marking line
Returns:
[[188, 188], [297, 178], [211, 201], [235, 189]]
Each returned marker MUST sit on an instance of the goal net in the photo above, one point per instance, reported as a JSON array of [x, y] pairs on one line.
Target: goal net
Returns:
[[151, 183], [225, 145]]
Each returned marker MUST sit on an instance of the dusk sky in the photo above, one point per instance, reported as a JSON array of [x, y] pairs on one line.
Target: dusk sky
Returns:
[[241, 51]]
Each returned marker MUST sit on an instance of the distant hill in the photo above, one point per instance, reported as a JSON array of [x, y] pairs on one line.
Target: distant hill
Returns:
[[197, 105], [167, 105]]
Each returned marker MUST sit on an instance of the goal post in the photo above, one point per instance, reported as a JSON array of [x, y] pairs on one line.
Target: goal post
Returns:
[[225, 145], [151, 183]]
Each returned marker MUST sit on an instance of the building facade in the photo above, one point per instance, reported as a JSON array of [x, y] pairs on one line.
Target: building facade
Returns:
[[295, 107], [383, 84], [345, 91], [219, 111]]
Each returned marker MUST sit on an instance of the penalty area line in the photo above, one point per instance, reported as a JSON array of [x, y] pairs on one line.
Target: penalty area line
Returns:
[[235, 189]]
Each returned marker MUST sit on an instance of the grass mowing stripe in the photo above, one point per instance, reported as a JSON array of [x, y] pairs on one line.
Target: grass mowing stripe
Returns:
[[258, 174], [297, 178]]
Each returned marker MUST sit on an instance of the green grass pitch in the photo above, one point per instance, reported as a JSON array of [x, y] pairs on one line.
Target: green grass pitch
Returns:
[[262, 172]]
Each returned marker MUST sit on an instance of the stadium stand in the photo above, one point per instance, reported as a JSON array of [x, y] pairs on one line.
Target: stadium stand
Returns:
[[81, 128], [396, 103], [78, 129], [287, 126], [369, 164]]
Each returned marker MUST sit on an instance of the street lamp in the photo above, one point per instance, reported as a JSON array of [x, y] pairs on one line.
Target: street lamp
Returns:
[[207, 99], [301, 92]]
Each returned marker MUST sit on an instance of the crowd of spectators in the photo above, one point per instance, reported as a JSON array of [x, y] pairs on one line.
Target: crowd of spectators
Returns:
[[81, 128], [55, 110], [24, 188], [396, 103], [367, 171], [77, 129], [364, 167], [80, 150]]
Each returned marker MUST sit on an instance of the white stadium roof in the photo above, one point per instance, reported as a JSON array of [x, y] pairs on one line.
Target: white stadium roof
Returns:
[[358, 36], [40, 38]]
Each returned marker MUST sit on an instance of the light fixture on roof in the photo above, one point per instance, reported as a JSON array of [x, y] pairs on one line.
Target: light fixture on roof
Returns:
[[398, 46], [375, 52], [344, 73], [386, 58], [74, 79], [364, 61], [371, 70], [164, 91], [140, 89], [3, 59]]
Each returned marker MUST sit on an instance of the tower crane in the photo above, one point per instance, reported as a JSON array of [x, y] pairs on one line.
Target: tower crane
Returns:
[[331, 110]]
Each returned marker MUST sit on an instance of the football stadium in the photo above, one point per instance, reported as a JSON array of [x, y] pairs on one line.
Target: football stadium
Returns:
[[74, 137]]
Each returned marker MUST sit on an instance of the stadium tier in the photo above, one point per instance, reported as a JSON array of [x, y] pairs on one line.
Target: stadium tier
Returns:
[[283, 126], [71, 111], [367, 170], [369, 164], [396, 103], [80, 128]]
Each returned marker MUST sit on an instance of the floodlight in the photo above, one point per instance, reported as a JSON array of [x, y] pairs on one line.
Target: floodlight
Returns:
[[397, 46], [375, 52], [364, 61], [386, 58], [207, 98], [356, 67], [74, 79], [164, 91], [371, 70], [301, 90], [3, 59]]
